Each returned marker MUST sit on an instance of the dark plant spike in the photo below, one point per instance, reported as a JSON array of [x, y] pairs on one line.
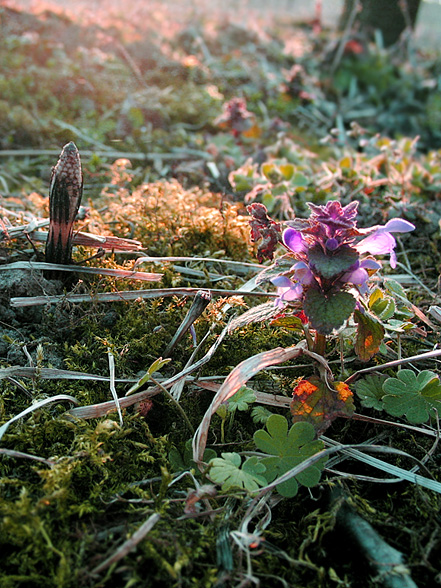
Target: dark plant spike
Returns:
[[200, 303], [65, 194]]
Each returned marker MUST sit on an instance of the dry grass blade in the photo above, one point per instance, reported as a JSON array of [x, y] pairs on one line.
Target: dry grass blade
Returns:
[[117, 273], [127, 295], [394, 363], [108, 242], [95, 411], [20, 454], [52, 374], [112, 386], [237, 378], [36, 406], [128, 545]]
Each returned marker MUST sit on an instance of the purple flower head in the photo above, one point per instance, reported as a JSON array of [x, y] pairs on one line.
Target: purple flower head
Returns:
[[381, 241], [334, 216]]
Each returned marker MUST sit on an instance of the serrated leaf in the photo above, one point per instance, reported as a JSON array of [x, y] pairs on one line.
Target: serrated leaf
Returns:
[[288, 448], [370, 334], [394, 287], [326, 313], [242, 399], [314, 402], [227, 470], [288, 322], [370, 391], [331, 264], [380, 304], [281, 266], [260, 414], [412, 396]]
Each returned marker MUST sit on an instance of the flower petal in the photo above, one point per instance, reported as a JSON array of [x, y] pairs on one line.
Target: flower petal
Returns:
[[378, 243], [397, 225], [293, 240], [282, 282]]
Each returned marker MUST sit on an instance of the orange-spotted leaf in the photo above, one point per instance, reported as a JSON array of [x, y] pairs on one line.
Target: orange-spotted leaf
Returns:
[[319, 403], [370, 334]]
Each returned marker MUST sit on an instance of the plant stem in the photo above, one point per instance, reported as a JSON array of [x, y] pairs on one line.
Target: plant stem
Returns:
[[319, 344], [175, 402]]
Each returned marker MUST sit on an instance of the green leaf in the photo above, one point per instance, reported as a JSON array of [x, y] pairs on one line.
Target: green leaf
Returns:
[[271, 172], [370, 391], [288, 449], [394, 287], [331, 264], [326, 313], [242, 399], [412, 396], [370, 334], [299, 180], [288, 322], [156, 366], [226, 470], [383, 306], [260, 414], [181, 462]]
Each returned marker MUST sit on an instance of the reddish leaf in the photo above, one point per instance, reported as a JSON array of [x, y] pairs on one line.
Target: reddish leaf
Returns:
[[319, 404], [265, 229], [370, 334]]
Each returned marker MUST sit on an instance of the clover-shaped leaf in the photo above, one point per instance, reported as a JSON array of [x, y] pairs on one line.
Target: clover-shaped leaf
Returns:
[[412, 396], [288, 449], [326, 313], [330, 264], [227, 470], [370, 391], [241, 400]]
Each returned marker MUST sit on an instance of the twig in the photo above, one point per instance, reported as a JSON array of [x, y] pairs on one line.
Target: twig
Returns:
[[128, 545]]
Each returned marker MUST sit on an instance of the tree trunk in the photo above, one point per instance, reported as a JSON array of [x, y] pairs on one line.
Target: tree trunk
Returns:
[[391, 17]]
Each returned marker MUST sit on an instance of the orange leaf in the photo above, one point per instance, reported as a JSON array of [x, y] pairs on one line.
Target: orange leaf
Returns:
[[318, 403]]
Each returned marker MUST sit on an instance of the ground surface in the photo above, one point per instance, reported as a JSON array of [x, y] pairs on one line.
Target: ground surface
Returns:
[[88, 500]]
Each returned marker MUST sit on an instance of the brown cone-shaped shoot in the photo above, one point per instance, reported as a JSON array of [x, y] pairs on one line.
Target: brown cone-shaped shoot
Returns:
[[65, 194]]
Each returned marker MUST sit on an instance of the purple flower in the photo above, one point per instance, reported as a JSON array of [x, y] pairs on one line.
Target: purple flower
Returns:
[[358, 275], [381, 241], [294, 241], [287, 290]]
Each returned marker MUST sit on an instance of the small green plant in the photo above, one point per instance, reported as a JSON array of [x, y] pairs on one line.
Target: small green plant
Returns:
[[417, 397]]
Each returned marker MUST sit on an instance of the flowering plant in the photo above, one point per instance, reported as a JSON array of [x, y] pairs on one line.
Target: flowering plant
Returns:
[[325, 273]]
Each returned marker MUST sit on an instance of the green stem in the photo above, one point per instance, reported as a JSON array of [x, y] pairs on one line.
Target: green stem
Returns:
[[175, 402]]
